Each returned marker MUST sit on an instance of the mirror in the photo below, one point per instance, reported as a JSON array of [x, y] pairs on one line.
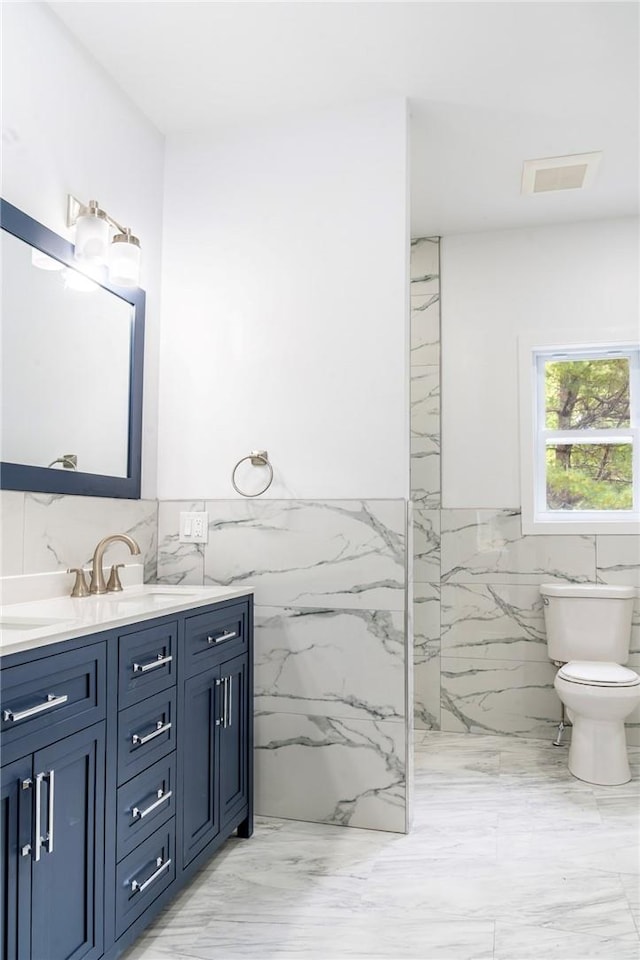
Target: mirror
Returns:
[[72, 355]]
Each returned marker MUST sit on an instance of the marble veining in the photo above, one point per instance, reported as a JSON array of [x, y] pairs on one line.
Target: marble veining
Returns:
[[618, 560], [488, 546], [62, 531], [493, 621], [425, 330], [499, 696], [426, 656], [349, 772], [178, 562], [306, 553], [481, 875], [425, 265], [346, 663], [426, 534]]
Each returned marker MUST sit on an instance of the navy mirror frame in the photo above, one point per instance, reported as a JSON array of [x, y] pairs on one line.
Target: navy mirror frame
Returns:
[[17, 476]]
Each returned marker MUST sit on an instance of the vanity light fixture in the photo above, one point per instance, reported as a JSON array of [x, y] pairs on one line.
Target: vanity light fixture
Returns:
[[94, 245]]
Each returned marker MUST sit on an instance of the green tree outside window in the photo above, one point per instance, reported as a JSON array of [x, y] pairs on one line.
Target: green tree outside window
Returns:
[[590, 394]]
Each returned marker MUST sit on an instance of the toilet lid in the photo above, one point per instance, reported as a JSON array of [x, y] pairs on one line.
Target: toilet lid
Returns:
[[598, 674]]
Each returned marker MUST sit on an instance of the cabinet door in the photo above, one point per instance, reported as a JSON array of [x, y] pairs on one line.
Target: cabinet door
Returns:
[[200, 810], [234, 740], [68, 864], [15, 836]]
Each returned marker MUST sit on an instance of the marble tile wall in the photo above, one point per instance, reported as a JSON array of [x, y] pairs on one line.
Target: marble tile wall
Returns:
[[480, 660], [42, 532], [331, 673], [425, 477]]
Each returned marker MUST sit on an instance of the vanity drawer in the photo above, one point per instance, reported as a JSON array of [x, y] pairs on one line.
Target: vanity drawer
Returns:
[[146, 732], [147, 663], [143, 875], [213, 636], [144, 804], [51, 698]]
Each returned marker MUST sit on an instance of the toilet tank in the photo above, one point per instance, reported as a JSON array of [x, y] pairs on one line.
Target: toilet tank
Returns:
[[587, 621]]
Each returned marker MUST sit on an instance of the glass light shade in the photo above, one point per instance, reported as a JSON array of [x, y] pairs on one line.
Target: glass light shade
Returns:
[[92, 239], [124, 261]]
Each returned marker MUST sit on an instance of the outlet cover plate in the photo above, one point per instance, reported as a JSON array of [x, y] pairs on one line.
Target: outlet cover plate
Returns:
[[194, 527]]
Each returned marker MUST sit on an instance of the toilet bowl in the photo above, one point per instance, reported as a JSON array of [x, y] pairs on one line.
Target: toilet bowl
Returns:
[[588, 633], [598, 697]]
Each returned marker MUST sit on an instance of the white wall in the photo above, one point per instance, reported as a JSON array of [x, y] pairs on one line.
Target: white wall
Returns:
[[67, 128], [581, 277], [284, 314]]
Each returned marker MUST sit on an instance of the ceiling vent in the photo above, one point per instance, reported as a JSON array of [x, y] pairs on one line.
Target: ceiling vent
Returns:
[[560, 173]]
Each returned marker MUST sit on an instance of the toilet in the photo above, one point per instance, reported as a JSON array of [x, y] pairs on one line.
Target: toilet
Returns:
[[588, 634]]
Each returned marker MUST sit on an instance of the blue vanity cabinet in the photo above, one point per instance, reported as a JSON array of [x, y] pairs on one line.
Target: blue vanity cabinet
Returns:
[[126, 763], [15, 875], [67, 881], [200, 762], [216, 728], [53, 803], [234, 738]]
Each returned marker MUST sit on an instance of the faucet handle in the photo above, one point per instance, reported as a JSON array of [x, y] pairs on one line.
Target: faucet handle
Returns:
[[113, 583], [80, 588]]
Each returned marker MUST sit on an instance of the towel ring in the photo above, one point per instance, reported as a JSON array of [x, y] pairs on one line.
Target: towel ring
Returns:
[[259, 458]]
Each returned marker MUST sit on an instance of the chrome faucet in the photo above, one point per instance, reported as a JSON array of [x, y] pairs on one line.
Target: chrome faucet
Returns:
[[97, 584]]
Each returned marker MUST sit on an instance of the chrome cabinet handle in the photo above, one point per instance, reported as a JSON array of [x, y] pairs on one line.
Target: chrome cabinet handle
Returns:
[[51, 702], [225, 706], [230, 679], [229, 635], [152, 665], [141, 887], [51, 779], [161, 727], [218, 719], [39, 779], [48, 839], [138, 814]]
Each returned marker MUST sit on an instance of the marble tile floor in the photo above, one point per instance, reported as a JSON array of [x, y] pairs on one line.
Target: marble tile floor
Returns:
[[510, 858]]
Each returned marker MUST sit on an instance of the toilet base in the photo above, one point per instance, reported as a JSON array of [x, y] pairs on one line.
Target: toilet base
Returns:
[[598, 751]]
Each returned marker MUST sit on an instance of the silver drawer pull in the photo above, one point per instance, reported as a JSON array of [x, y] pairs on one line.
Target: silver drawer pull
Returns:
[[138, 814], [161, 727], [48, 837], [153, 665], [51, 702], [141, 887], [230, 635]]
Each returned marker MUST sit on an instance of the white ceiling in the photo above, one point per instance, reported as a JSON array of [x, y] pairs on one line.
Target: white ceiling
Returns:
[[490, 85]]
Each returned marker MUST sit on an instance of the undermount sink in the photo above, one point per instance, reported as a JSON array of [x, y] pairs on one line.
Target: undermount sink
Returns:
[[30, 623], [153, 596]]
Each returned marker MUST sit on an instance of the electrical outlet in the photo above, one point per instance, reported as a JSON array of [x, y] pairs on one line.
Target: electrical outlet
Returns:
[[194, 527]]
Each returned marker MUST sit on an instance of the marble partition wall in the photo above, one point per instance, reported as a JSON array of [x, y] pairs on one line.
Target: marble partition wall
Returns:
[[43, 532], [425, 477], [331, 667]]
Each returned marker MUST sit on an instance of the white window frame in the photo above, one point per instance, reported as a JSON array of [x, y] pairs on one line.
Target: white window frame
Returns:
[[536, 518]]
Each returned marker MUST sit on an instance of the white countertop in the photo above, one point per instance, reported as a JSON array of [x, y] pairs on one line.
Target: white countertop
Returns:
[[26, 626]]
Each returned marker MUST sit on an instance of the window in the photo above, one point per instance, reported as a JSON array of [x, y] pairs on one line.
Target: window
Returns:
[[584, 441]]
